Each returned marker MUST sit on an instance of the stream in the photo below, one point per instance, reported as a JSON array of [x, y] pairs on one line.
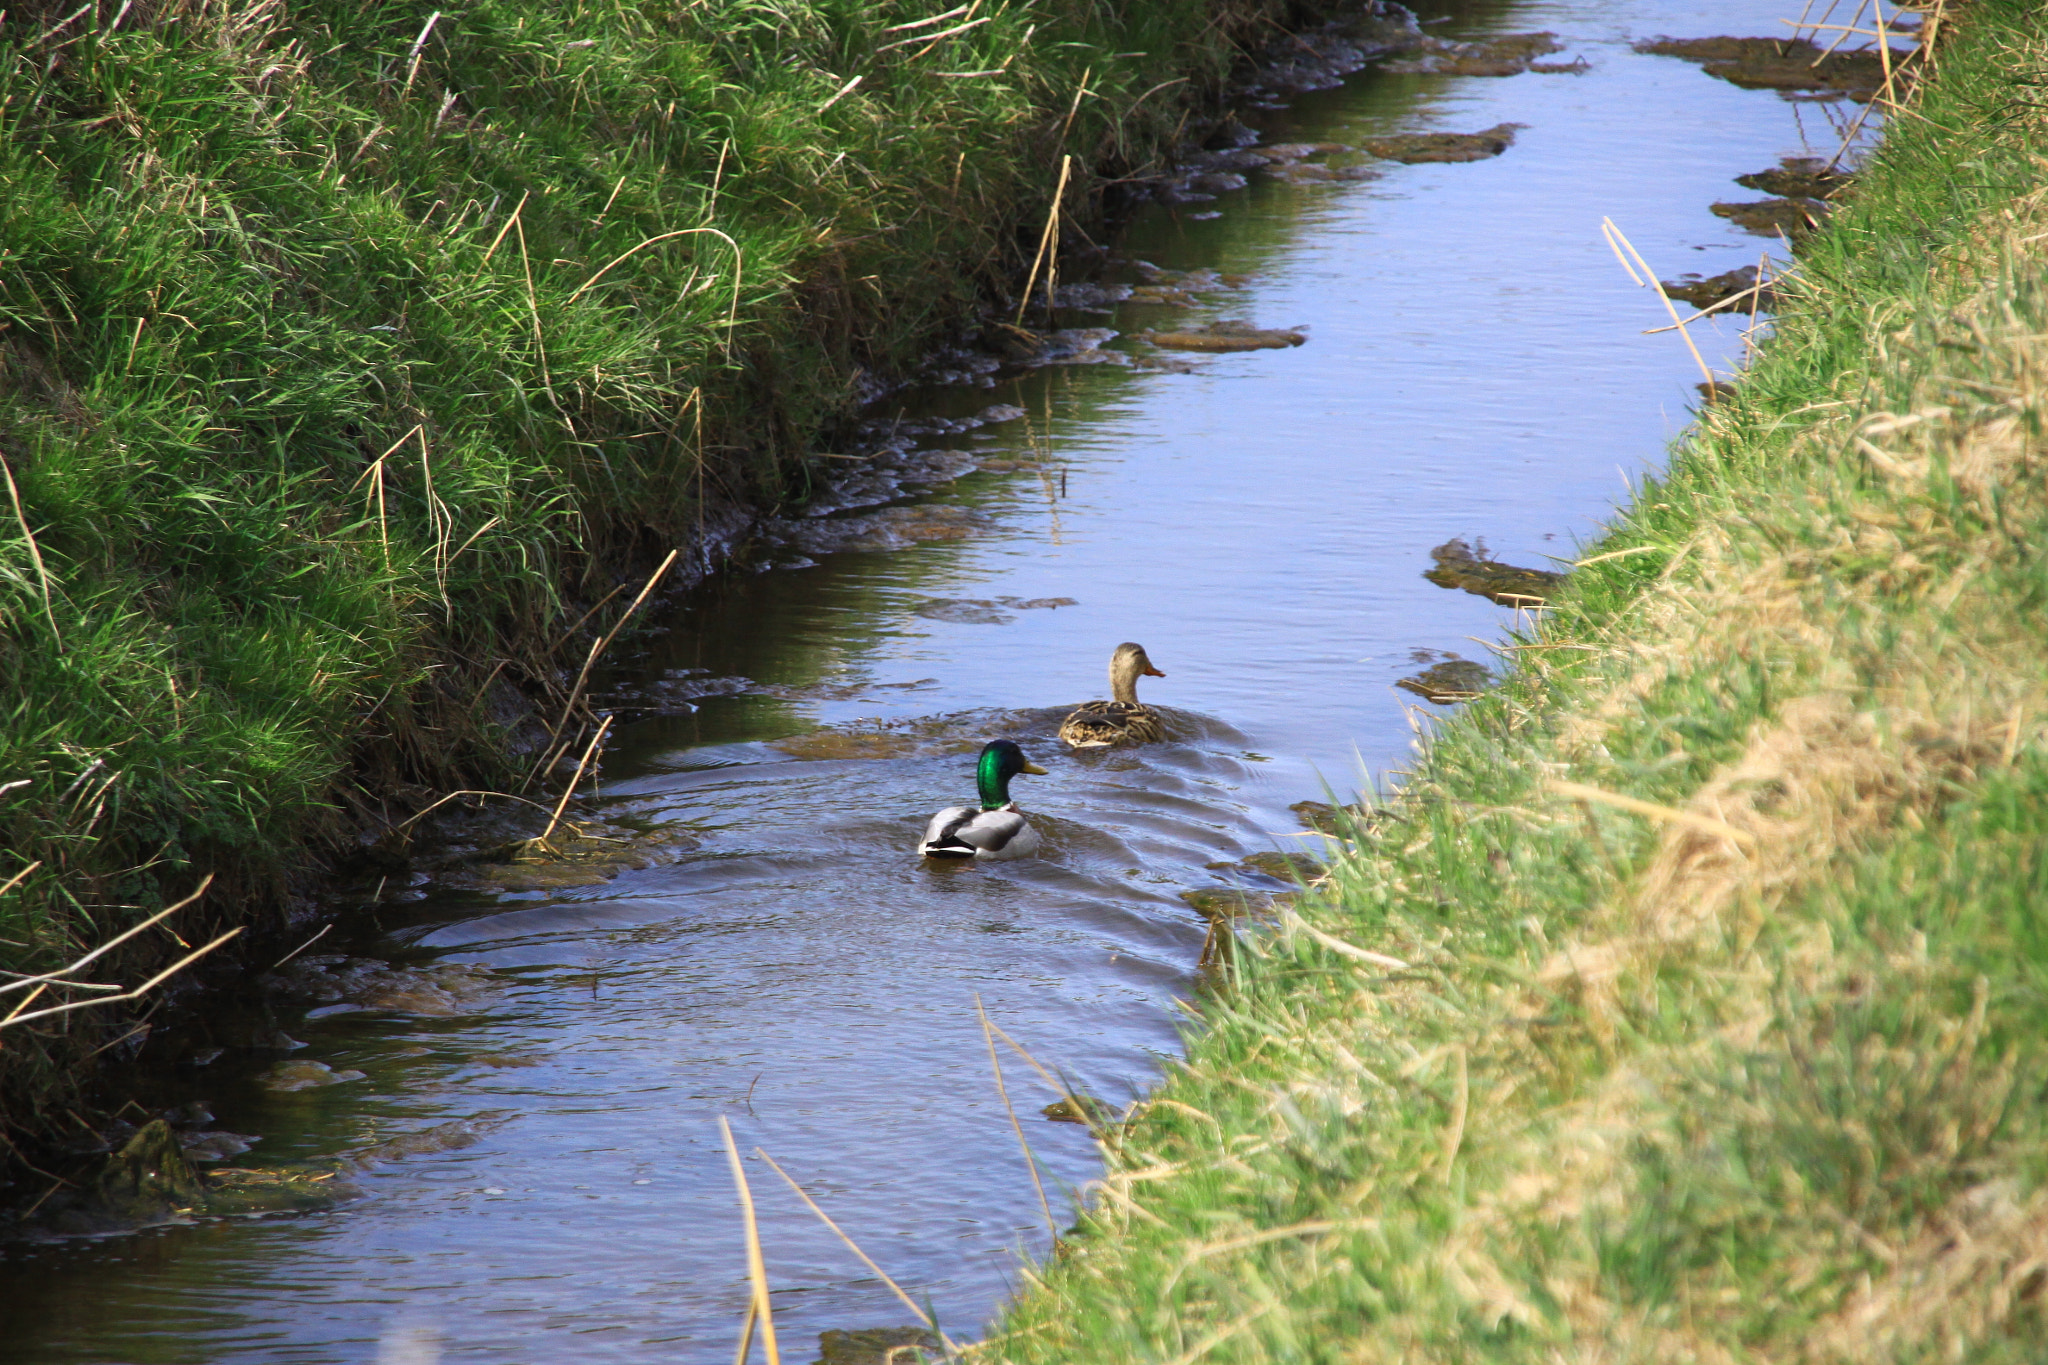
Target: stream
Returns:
[[1475, 366]]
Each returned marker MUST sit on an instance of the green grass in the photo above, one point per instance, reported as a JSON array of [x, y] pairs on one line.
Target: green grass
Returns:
[[348, 354], [1760, 1082]]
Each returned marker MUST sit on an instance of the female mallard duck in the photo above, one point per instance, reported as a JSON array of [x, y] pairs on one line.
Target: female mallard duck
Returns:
[[1103, 724], [996, 830]]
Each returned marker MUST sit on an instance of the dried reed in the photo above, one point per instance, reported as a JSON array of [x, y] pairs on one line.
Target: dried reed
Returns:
[[757, 1270], [1030, 1162]]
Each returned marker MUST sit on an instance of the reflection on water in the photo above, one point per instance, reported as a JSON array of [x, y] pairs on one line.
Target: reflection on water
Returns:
[[1260, 522]]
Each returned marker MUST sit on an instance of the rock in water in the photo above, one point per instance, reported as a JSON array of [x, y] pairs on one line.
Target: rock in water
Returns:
[[1414, 148], [1799, 177], [1452, 681], [288, 1076], [1228, 336], [149, 1179], [1341, 821], [877, 1346], [1785, 64], [1716, 289], [1458, 567], [1791, 218]]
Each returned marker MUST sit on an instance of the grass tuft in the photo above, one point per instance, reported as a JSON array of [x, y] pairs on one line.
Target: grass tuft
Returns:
[[1722, 1018], [350, 351]]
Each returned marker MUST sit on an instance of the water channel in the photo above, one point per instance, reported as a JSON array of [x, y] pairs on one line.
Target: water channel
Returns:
[[1476, 366]]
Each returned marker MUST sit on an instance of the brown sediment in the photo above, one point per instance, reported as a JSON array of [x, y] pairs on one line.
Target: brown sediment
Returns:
[[1084, 1109], [1510, 54], [1286, 867], [1791, 218], [1457, 566], [1785, 64], [442, 1137], [1718, 289], [1341, 821], [1418, 148], [150, 1181], [1319, 173], [1800, 177], [986, 611], [959, 733], [1449, 682], [1227, 336], [336, 983], [290, 1077], [877, 1346], [1231, 902]]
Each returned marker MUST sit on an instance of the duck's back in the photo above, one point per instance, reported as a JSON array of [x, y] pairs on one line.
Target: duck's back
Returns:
[[970, 832], [1106, 724]]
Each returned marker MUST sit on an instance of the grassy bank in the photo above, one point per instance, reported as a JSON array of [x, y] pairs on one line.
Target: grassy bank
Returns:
[[1749, 1069], [351, 352]]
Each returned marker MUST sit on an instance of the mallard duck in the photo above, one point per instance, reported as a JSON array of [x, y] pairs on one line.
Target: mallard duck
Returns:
[[1103, 724], [995, 830]]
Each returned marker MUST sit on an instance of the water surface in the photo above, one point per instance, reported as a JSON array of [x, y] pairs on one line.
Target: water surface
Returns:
[[1476, 367]]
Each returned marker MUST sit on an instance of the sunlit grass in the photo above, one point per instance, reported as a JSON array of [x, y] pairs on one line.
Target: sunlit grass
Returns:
[[1761, 1085], [348, 353]]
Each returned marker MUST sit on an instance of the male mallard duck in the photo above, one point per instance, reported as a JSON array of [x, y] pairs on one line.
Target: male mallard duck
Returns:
[[1102, 724], [994, 831]]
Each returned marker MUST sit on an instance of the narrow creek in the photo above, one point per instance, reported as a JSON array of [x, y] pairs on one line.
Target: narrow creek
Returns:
[[1475, 367]]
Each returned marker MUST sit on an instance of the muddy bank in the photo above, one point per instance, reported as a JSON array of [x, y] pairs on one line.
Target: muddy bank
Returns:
[[1459, 565], [1259, 520], [515, 635], [1791, 66]]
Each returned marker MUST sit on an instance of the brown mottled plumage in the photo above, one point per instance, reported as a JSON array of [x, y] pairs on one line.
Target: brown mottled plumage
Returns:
[[1124, 719]]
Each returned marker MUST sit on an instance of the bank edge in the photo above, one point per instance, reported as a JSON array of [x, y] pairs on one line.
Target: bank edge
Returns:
[[1689, 1005], [351, 352]]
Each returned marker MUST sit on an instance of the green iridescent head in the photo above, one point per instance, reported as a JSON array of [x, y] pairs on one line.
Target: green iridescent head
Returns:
[[1000, 761]]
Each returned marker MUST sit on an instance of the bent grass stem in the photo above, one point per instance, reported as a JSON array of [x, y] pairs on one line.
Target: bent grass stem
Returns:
[[1030, 1162], [757, 1269], [853, 1246]]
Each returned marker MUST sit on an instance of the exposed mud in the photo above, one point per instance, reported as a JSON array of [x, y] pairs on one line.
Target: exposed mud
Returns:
[[1285, 867], [1295, 64], [1735, 288], [151, 1181], [1510, 54], [1235, 902], [1787, 65], [877, 1346], [334, 984], [1341, 821], [796, 540], [578, 853], [1458, 565], [1318, 173], [442, 1137], [288, 1077], [1800, 177], [1792, 219], [959, 733], [1449, 682], [1082, 1109], [1420, 148], [987, 611], [674, 694], [1228, 336]]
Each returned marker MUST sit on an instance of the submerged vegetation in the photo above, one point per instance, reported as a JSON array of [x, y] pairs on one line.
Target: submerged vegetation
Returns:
[[354, 357], [1688, 1004]]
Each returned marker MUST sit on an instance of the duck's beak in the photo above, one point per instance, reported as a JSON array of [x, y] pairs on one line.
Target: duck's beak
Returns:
[[1031, 767], [1152, 672]]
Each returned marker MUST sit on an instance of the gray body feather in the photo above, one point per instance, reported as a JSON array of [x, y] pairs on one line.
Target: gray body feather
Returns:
[[970, 832]]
